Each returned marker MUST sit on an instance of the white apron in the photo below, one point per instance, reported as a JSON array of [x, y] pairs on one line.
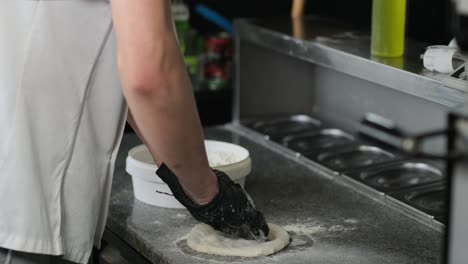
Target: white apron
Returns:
[[61, 119]]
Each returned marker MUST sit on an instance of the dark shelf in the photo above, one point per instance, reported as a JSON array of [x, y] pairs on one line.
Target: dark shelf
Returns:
[[214, 107]]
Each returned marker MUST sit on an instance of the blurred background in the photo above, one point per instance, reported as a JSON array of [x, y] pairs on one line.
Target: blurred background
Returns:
[[207, 38]]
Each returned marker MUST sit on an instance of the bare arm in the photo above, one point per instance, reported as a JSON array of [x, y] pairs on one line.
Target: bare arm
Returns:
[[159, 93], [131, 122]]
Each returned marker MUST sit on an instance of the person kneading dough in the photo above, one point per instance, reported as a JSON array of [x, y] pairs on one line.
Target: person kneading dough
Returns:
[[68, 70]]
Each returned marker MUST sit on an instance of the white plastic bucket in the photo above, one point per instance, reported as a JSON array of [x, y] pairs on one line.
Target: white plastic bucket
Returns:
[[232, 159]]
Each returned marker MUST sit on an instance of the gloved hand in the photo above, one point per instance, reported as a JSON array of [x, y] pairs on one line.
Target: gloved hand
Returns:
[[230, 211]]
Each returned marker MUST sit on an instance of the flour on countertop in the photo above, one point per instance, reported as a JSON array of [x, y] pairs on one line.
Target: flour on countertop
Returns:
[[336, 228], [297, 242], [351, 221], [304, 228], [319, 228]]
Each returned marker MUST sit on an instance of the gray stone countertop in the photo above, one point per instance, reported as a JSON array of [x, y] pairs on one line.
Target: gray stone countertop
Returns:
[[328, 222]]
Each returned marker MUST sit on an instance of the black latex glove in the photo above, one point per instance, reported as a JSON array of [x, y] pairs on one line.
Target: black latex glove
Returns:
[[230, 211]]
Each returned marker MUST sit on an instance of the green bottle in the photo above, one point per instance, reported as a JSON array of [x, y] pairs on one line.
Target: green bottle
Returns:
[[388, 28], [181, 16]]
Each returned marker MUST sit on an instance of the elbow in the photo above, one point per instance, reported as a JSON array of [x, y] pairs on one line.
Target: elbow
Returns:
[[147, 85], [158, 94], [147, 88], [144, 78], [146, 73]]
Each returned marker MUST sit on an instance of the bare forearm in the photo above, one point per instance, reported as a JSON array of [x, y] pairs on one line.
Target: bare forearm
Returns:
[[159, 93], [131, 122]]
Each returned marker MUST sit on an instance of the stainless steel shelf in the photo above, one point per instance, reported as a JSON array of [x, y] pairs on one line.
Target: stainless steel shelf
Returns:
[[347, 50]]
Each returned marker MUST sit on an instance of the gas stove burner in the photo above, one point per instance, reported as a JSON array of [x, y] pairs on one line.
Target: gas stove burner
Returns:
[[284, 126], [314, 141], [362, 156], [428, 201], [402, 175]]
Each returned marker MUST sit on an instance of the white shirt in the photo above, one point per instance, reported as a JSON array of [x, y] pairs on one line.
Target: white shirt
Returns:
[[61, 119]]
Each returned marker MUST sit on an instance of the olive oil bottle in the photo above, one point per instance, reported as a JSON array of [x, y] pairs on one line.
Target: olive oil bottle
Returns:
[[388, 28]]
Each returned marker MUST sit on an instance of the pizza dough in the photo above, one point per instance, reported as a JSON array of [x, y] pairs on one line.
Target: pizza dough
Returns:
[[203, 238]]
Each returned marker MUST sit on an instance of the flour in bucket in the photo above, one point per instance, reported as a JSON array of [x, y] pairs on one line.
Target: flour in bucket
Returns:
[[221, 158]]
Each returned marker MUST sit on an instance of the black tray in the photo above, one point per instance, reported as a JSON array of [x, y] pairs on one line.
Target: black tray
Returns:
[[278, 127], [399, 175], [353, 157], [430, 198], [318, 141]]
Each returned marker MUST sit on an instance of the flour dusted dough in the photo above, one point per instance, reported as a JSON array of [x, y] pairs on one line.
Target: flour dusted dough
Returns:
[[204, 238]]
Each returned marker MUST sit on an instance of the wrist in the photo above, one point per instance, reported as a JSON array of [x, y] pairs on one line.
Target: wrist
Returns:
[[210, 190]]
